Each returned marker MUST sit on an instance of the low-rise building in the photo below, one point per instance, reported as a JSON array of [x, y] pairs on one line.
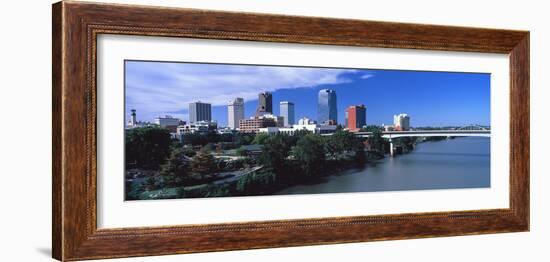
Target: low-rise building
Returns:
[[317, 129], [253, 125], [304, 124], [277, 130], [226, 130], [167, 121], [306, 121], [199, 127]]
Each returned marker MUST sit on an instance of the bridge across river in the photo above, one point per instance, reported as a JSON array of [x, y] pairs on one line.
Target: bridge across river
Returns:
[[427, 133]]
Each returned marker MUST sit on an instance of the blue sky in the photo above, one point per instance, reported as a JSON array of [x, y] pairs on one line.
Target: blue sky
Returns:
[[430, 98]]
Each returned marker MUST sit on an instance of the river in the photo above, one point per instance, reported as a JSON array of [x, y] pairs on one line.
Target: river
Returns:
[[453, 163]]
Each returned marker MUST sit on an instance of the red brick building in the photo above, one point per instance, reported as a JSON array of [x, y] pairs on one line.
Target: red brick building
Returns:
[[356, 117], [254, 125]]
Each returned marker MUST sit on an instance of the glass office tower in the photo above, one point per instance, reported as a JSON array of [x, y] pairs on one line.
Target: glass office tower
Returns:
[[287, 111], [326, 107]]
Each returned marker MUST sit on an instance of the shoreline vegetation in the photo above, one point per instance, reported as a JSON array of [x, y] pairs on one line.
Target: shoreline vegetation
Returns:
[[218, 165]]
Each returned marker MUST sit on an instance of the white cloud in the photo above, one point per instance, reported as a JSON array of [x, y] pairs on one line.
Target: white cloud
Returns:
[[159, 88], [367, 76]]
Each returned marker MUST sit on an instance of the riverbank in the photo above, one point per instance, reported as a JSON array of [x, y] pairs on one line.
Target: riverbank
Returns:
[[442, 164], [258, 181]]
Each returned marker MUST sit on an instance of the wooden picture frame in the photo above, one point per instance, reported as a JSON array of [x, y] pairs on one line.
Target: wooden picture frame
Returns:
[[76, 26]]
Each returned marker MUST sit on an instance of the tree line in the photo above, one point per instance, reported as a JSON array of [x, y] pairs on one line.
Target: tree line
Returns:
[[290, 158]]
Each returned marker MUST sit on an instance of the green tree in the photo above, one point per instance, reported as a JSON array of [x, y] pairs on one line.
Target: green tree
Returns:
[[147, 147], [255, 183], [203, 163], [188, 151], [309, 152], [371, 128], [260, 138], [359, 150], [406, 142], [243, 139], [176, 164], [339, 143], [376, 141], [275, 151], [301, 133], [291, 140], [212, 136], [193, 139]]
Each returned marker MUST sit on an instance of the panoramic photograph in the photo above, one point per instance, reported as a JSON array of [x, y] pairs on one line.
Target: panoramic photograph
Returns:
[[198, 130]]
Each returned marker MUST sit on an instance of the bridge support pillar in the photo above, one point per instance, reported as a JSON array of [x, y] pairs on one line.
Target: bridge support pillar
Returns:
[[391, 148]]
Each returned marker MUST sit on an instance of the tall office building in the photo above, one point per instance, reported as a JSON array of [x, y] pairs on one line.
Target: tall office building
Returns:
[[326, 107], [265, 104], [199, 111], [356, 117], [235, 112], [287, 111], [401, 122]]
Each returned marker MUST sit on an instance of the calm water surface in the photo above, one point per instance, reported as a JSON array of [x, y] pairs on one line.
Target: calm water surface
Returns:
[[452, 163]]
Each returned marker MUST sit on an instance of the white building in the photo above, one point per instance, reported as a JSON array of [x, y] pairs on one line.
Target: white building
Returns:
[[287, 112], [167, 121], [200, 127], [303, 124], [277, 130], [306, 121], [315, 128], [226, 130], [235, 112], [401, 122]]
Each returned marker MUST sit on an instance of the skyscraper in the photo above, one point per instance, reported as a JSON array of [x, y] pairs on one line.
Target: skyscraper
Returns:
[[265, 104], [199, 111], [235, 112], [287, 111], [326, 107], [356, 117], [401, 122]]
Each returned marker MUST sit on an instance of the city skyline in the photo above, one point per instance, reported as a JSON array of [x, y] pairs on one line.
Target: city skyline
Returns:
[[458, 98]]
